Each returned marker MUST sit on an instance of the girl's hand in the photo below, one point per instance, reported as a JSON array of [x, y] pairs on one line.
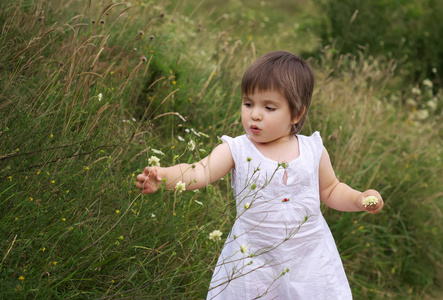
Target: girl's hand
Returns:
[[374, 208], [150, 180]]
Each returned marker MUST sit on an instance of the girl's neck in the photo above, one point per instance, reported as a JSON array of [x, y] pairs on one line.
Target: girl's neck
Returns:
[[285, 149]]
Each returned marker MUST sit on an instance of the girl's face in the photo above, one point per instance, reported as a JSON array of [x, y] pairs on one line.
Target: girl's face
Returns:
[[266, 116]]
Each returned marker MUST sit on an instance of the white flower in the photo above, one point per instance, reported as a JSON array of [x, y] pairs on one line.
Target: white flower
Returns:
[[416, 91], [100, 97], [152, 216], [154, 161], [180, 187], [247, 204], [432, 104], [191, 145], [422, 114], [411, 102], [369, 201], [157, 152], [215, 235], [198, 202], [180, 139], [243, 249], [427, 83]]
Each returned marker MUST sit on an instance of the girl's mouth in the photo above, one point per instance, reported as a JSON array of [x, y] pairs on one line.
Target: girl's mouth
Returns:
[[255, 129]]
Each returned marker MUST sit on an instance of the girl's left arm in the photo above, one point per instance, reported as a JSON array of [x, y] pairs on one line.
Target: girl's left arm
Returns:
[[339, 195]]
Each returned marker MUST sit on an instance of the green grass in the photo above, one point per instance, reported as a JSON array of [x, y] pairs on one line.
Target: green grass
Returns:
[[72, 222]]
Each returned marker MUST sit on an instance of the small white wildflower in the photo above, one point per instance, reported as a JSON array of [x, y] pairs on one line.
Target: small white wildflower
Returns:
[[422, 114], [100, 97], [243, 249], [157, 152], [180, 138], [152, 215], [411, 102], [198, 202], [247, 204], [434, 70], [191, 145], [203, 134], [180, 187], [427, 83], [154, 161], [134, 120], [215, 235], [432, 104], [187, 130], [369, 201], [416, 91]]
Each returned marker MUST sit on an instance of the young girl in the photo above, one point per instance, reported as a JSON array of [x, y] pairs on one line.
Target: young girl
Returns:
[[280, 245]]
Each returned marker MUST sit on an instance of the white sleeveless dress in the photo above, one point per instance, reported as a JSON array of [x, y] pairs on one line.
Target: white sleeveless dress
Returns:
[[280, 246]]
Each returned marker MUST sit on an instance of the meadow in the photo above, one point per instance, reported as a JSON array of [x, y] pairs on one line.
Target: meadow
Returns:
[[91, 92]]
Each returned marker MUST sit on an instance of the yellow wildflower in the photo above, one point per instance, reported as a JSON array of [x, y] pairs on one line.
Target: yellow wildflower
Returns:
[[21, 278]]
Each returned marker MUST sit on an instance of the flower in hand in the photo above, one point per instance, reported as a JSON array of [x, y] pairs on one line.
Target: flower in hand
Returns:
[[369, 201], [372, 201]]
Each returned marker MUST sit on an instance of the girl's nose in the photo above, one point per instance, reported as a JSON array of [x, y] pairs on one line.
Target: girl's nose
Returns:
[[256, 115]]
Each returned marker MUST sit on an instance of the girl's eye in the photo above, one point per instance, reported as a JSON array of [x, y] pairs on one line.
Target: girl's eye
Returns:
[[247, 104], [270, 108]]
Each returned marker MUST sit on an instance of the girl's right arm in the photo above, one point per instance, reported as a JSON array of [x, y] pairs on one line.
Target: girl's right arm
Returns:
[[195, 176]]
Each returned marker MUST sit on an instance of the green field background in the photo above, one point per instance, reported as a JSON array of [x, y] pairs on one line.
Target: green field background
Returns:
[[91, 90]]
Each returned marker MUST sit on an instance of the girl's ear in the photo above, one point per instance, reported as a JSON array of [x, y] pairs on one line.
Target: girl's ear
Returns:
[[297, 118]]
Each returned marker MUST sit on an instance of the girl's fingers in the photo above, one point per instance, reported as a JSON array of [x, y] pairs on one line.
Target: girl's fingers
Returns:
[[141, 177]]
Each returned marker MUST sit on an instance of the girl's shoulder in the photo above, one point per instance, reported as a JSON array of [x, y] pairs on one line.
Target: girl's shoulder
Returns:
[[313, 143], [238, 145], [234, 140]]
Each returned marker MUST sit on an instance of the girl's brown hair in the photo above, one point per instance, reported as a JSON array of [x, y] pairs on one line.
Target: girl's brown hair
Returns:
[[283, 72]]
